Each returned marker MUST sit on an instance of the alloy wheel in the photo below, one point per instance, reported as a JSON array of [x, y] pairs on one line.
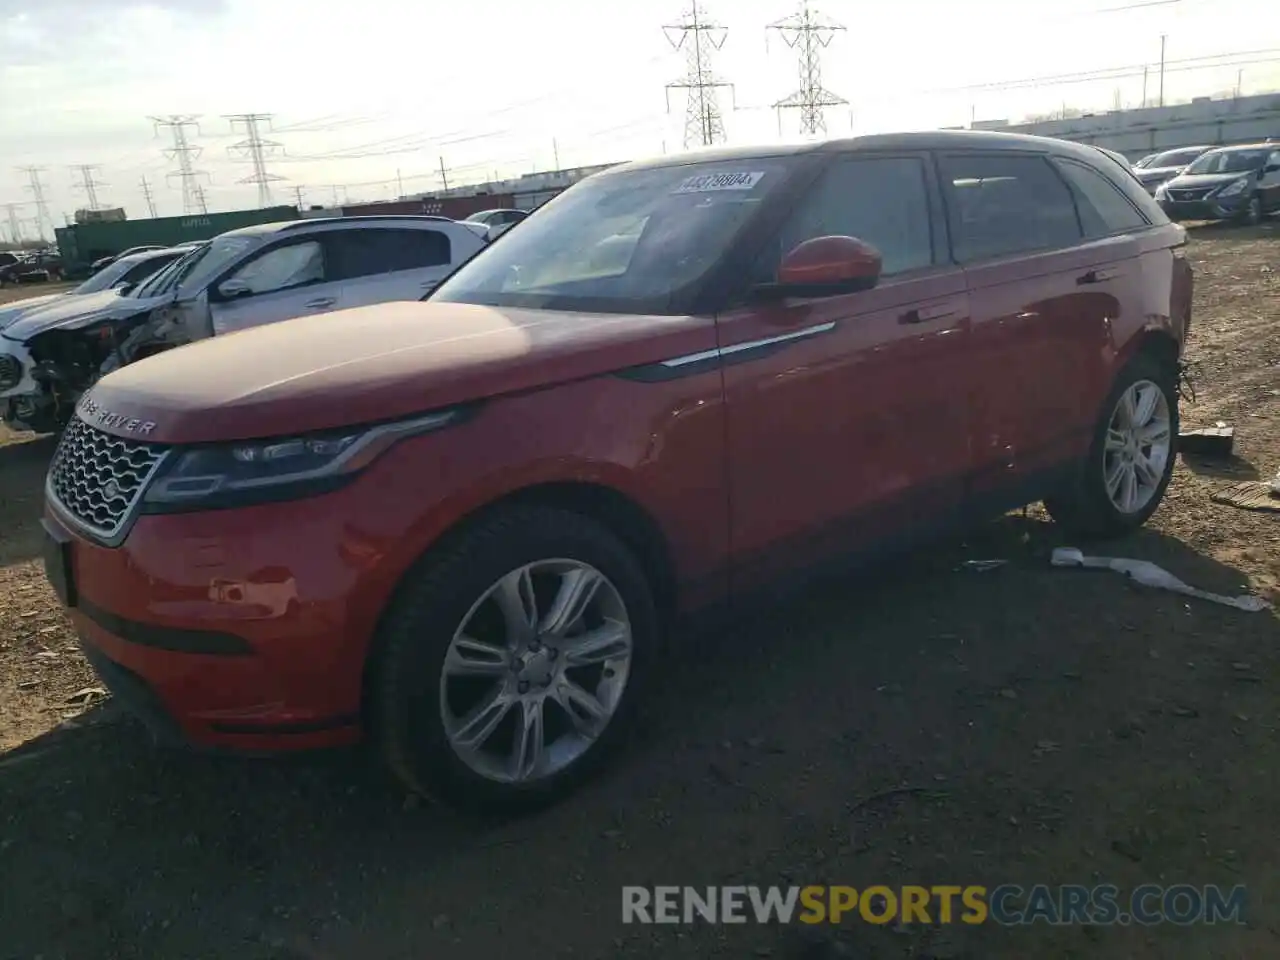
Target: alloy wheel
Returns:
[[1138, 445], [535, 671]]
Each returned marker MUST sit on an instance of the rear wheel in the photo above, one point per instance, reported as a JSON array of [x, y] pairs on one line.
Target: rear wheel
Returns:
[[511, 663], [1130, 461]]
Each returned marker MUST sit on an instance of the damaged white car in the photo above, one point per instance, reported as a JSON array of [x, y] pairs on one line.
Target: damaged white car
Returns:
[[245, 278]]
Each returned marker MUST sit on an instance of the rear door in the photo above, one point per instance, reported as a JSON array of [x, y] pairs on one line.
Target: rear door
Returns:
[[282, 281], [1269, 186], [1043, 297], [848, 415]]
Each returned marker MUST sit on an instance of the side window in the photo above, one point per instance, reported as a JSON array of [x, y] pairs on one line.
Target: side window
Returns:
[[280, 268], [1104, 210], [881, 200], [370, 252], [1005, 204], [145, 269]]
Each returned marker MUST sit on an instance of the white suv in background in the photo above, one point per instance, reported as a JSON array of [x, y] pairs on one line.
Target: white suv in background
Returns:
[[244, 278]]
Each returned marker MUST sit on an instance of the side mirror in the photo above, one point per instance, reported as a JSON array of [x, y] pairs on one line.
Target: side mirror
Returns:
[[231, 289], [122, 287], [1271, 168], [826, 267]]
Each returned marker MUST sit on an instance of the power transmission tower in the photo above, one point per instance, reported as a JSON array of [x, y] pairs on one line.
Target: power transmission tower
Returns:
[[88, 183], [15, 227], [146, 192], [699, 39], [184, 152], [36, 187], [256, 150], [810, 33]]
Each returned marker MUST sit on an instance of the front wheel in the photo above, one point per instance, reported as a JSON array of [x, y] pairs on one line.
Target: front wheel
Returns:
[[510, 665], [1253, 211], [1130, 461]]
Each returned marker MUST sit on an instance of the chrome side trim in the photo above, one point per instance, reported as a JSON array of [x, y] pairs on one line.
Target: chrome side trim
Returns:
[[750, 345]]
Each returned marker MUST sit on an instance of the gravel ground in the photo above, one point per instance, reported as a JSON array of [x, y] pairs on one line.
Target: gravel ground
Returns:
[[930, 725]]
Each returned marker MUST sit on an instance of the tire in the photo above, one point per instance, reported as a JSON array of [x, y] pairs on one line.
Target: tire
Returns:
[[1253, 212], [1087, 508], [414, 706]]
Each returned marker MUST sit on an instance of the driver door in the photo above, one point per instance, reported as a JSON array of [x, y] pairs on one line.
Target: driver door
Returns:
[[849, 415], [286, 280]]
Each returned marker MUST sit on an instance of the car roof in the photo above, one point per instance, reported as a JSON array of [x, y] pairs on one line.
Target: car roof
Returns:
[[280, 226], [1243, 146], [881, 142]]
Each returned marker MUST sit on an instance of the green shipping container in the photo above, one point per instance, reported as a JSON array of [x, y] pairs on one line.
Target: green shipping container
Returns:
[[84, 243]]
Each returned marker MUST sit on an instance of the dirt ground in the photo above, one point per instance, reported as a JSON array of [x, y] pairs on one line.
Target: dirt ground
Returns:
[[16, 292], [1043, 726]]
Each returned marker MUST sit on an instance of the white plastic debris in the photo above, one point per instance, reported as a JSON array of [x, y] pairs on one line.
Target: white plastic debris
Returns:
[[1275, 485], [1150, 575]]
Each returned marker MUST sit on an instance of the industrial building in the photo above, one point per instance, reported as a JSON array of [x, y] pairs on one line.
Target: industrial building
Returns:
[[1138, 132]]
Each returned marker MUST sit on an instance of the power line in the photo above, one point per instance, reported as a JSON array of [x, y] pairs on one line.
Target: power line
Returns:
[[146, 192], [88, 184], [36, 188], [699, 39], [256, 149], [809, 32], [184, 152]]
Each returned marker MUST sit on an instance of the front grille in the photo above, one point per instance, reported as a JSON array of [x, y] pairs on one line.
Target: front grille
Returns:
[[98, 478], [1187, 196]]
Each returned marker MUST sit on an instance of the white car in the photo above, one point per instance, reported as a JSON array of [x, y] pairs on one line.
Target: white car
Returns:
[[119, 277], [245, 278], [496, 222]]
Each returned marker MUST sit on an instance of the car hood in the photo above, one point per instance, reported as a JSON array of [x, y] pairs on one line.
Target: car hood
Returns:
[[13, 311], [1154, 174], [376, 363], [1192, 181], [78, 311]]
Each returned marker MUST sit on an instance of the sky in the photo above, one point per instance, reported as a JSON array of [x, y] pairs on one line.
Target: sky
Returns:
[[368, 99]]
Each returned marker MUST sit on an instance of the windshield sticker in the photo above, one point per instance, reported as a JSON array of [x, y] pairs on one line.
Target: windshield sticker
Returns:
[[710, 182]]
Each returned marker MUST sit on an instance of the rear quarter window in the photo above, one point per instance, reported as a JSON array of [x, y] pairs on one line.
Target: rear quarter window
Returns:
[[1104, 209]]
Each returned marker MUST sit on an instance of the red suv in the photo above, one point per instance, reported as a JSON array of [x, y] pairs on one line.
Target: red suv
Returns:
[[464, 526]]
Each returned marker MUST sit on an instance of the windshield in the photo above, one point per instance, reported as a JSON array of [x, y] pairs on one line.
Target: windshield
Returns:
[[1175, 158], [188, 274], [153, 285], [1228, 161], [106, 278], [621, 242]]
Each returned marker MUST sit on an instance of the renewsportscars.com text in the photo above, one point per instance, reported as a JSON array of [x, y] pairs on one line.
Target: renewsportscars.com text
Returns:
[[1007, 904]]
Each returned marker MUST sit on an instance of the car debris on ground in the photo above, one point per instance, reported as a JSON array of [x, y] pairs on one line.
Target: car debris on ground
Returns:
[[1150, 575]]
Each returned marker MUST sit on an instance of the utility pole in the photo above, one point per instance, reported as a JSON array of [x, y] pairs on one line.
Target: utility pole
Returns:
[[184, 152], [444, 175], [15, 227], [399, 184], [1162, 40], [257, 150], [809, 32], [1144, 86], [555, 152], [699, 39], [146, 192], [89, 184], [297, 193], [36, 188]]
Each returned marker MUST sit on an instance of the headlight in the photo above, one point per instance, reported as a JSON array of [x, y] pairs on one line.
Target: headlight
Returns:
[[241, 473], [1235, 189]]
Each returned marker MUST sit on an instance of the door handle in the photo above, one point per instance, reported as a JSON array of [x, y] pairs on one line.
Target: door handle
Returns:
[[1096, 276], [924, 314], [320, 302]]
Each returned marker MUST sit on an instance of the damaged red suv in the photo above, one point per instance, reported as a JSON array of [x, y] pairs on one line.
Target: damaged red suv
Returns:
[[462, 527]]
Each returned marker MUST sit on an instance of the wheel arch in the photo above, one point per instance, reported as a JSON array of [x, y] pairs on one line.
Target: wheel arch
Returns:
[[1157, 343], [635, 526]]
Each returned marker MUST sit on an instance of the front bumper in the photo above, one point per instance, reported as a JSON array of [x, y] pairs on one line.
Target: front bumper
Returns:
[[1210, 208], [244, 629]]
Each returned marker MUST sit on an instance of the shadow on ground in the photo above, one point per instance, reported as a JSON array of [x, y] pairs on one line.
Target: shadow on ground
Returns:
[[22, 468], [1041, 720]]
